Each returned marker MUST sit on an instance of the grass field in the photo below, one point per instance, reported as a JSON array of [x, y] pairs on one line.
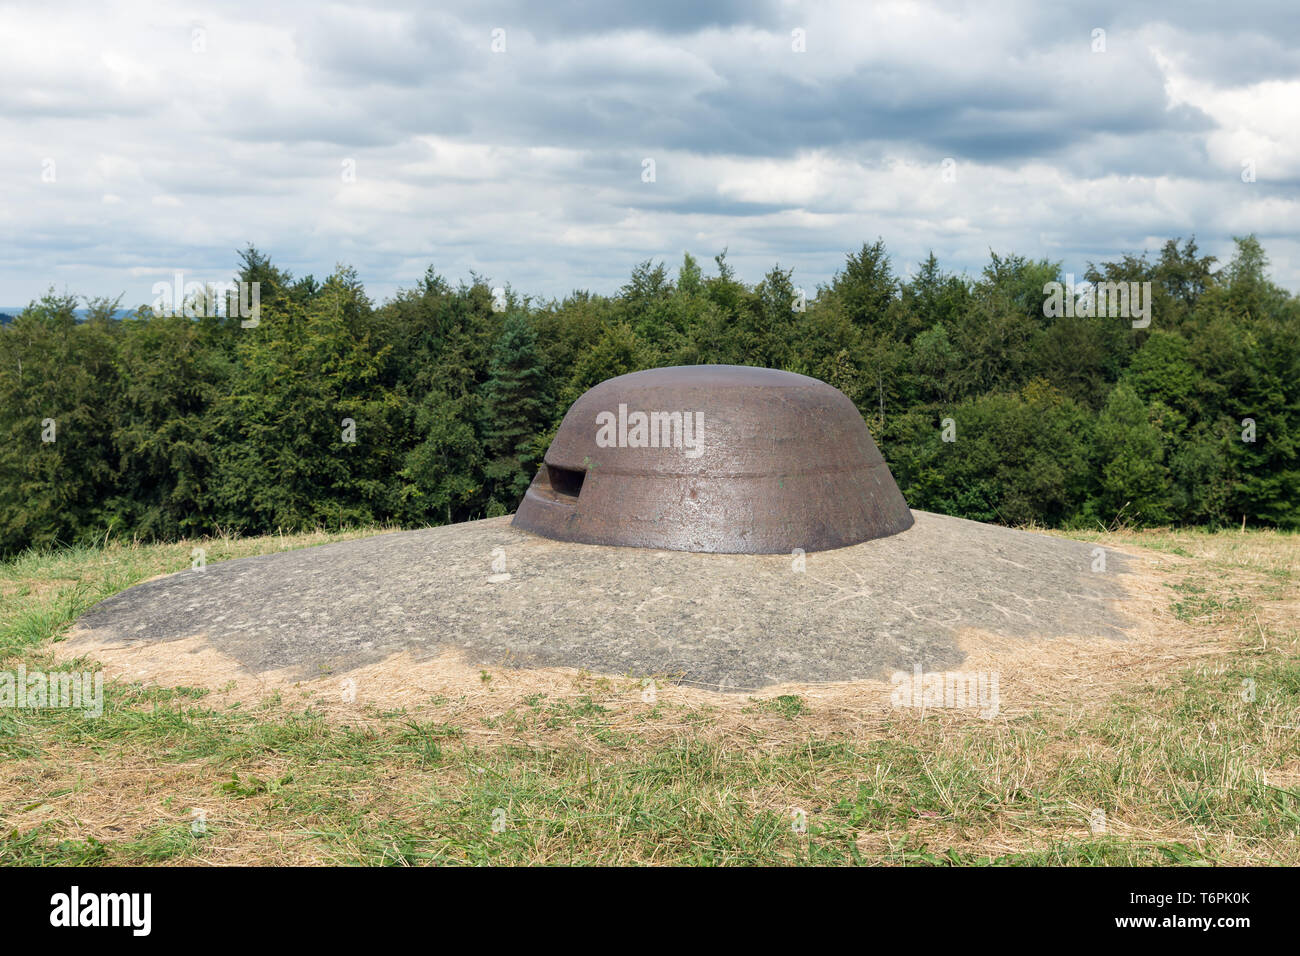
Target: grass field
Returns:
[[1191, 758]]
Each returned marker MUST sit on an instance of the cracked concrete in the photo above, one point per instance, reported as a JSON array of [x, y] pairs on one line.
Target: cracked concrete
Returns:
[[728, 622]]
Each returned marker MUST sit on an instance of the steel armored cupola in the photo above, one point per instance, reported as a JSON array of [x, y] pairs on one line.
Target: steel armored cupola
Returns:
[[714, 458]]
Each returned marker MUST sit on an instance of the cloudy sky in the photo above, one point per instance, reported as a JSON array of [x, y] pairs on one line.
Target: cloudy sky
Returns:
[[518, 140]]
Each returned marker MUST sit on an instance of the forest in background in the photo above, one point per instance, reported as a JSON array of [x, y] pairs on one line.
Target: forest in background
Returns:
[[170, 426]]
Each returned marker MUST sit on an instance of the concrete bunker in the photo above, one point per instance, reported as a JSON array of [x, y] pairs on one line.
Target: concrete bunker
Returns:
[[707, 478]]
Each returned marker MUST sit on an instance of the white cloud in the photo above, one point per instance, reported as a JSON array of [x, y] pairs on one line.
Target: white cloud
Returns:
[[178, 147]]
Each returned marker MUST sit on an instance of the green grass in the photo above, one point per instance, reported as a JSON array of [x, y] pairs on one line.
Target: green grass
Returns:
[[1196, 768], [788, 706]]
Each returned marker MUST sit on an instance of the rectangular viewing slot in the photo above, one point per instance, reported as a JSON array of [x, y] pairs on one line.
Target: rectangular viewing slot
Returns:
[[565, 482]]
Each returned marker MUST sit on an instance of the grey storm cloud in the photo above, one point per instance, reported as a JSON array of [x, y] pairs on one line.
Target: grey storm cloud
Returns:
[[515, 140]]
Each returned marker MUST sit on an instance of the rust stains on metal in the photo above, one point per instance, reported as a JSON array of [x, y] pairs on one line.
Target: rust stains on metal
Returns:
[[714, 458]]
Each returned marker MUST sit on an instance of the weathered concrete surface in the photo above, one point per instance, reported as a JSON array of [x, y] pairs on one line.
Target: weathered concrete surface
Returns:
[[724, 621]]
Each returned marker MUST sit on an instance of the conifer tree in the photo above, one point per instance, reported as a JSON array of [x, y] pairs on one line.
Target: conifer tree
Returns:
[[514, 412]]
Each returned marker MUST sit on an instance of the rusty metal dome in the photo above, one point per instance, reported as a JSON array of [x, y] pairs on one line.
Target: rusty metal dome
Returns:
[[714, 458]]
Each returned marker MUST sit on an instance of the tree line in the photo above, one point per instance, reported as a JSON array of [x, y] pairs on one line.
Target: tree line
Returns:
[[437, 405]]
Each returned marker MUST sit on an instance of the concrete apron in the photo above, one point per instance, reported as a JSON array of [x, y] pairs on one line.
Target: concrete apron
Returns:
[[505, 597]]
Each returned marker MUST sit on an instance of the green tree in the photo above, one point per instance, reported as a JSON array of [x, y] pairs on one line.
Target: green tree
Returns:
[[1128, 455], [303, 435], [514, 412], [866, 288], [61, 393]]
